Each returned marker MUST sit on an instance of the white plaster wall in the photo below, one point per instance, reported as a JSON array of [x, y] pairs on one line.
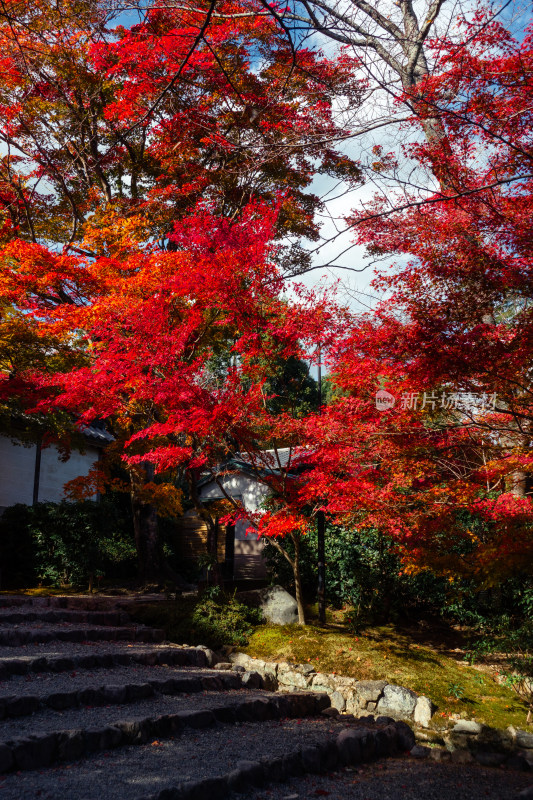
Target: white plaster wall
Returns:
[[17, 472], [247, 488], [250, 491], [55, 473], [17, 468]]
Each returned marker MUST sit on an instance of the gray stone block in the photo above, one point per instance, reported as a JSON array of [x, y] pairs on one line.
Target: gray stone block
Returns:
[[225, 714], [337, 701], [397, 701], [277, 605], [292, 765], [195, 719], [22, 706], [61, 700], [419, 751], [348, 745], [273, 768], [6, 758], [524, 740], [467, 726], [405, 738], [423, 711], [385, 740], [488, 759], [114, 695], [134, 731], [311, 759], [519, 763], [35, 752], [70, 745], [91, 697], [254, 770], [439, 754], [252, 680], [139, 691], [293, 679], [369, 690], [207, 789]]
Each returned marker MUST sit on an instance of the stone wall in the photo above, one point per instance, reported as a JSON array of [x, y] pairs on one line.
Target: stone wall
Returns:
[[346, 694]]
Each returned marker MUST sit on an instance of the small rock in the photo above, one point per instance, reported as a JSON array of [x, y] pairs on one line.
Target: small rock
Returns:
[[337, 701], [252, 680], [467, 726], [423, 711], [223, 665], [518, 763], [439, 754], [524, 740], [419, 751], [462, 757], [330, 712], [369, 690], [487, 759]]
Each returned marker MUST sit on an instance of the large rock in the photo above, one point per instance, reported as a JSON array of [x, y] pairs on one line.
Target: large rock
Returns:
[[277, 605], [398, 702]]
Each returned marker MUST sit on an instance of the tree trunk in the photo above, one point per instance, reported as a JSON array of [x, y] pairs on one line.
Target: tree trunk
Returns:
[[146, 530], [298, 581]]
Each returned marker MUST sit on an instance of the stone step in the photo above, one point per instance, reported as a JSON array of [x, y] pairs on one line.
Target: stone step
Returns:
[[66, 657], [119, 686], [37, 743], [22, 634], [55, 615], [75, 602], [207, 762]]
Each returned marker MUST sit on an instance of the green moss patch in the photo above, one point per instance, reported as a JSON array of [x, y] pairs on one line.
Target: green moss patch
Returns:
[[387, 653]]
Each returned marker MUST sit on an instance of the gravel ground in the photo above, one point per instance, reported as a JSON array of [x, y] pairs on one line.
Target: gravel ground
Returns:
[[51, 649], [42, 684], [132, 772], [402, 779], [99, 716]]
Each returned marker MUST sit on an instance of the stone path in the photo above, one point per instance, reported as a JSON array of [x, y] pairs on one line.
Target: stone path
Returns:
[[94, 707]]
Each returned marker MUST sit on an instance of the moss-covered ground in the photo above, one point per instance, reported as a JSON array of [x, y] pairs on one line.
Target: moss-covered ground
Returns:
[[399, 656]]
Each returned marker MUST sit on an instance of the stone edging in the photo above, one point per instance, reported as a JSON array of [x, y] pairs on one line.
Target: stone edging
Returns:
[[39, 751], [346, 694], [351, 746], [466, 741]]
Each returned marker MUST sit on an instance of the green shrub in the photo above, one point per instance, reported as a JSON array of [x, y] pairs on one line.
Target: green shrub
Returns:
[[363, 572], [220, 619], [65, 543], [214, 619]]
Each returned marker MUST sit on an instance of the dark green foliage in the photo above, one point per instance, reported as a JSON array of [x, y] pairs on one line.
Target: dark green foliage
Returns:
[[213, 619], [292, 388], [219, 618], [362, 571], [65, 543]]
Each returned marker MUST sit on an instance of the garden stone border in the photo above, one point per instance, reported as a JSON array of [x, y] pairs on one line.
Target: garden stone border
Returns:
[[346, 694], [40, 751], [350, 747], [466, 741]]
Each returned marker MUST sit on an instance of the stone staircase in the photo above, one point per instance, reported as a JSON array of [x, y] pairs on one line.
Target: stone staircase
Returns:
[[94, 707]]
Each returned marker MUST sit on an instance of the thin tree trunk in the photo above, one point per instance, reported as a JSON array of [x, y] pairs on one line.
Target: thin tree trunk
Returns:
[[298, 581], [146, 530]]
